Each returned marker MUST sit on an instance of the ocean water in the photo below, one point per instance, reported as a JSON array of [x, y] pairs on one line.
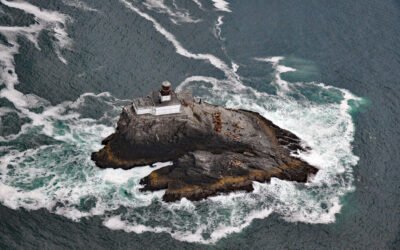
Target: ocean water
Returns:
[[327, 71]]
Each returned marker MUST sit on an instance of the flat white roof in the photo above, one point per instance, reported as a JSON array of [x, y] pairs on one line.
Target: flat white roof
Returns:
[[143, 102]]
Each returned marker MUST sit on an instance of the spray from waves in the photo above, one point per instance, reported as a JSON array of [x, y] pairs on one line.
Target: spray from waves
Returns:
[[59, 175], [177, 15]]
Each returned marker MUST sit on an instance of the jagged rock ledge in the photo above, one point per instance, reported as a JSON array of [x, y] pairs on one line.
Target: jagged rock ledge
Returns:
[[213, 150]]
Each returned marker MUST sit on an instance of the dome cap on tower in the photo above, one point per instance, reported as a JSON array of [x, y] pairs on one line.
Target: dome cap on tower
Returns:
[[166, 84]]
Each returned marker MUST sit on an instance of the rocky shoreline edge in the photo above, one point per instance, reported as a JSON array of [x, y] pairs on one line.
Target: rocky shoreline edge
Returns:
[[213, 149]]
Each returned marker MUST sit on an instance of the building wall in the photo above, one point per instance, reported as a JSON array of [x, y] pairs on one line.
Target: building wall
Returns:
[[165, 98], [145, 110], [173, 109]]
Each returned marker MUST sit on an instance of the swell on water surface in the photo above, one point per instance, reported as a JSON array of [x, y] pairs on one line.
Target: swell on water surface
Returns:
[[46, 164]]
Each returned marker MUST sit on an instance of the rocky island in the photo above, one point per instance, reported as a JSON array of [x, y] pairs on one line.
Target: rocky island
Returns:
[[213, 149]]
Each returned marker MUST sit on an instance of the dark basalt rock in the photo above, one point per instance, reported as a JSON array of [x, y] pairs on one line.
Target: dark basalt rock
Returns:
[[213, 150]]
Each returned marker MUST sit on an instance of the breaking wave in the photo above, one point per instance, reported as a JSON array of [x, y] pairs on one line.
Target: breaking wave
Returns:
[[46, 164]]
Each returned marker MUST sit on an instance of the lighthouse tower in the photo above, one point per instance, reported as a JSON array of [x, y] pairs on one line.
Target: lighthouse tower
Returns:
[[165, 92]]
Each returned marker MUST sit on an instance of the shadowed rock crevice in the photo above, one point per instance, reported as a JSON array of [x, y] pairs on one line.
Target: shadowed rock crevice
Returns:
[[213, 150]]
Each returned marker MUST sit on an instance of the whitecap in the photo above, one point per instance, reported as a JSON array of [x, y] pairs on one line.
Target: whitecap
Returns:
[[221, 5]]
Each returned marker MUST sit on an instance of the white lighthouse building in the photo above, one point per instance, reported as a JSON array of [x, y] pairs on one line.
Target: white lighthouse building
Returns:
[[163, 102]]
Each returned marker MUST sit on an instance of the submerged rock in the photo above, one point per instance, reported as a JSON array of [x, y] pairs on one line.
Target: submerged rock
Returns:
[[213, 150]]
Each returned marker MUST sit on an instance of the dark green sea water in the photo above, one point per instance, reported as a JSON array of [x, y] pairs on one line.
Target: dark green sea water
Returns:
[[326, 70]]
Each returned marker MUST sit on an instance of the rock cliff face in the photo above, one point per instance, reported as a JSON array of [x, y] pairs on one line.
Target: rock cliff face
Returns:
[[213, 150]]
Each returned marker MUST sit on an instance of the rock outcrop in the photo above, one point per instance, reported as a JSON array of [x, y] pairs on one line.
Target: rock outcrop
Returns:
[[213, 150]]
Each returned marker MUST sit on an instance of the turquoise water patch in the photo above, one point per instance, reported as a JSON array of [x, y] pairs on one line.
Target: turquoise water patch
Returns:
[[316, 93], [11, 123], [359, 106], [306, 70]]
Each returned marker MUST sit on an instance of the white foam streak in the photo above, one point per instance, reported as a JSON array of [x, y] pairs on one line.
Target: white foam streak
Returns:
[[50, 16], [283, 86], [216, 83], [198, 3], [79, 4], [119, 176], [213, 60], [116, 223], [176, 15], [217, 29], [46, 19], [223, 231]]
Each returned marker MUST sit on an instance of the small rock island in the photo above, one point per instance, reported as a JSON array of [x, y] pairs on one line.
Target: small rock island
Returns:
[[213, 149]]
